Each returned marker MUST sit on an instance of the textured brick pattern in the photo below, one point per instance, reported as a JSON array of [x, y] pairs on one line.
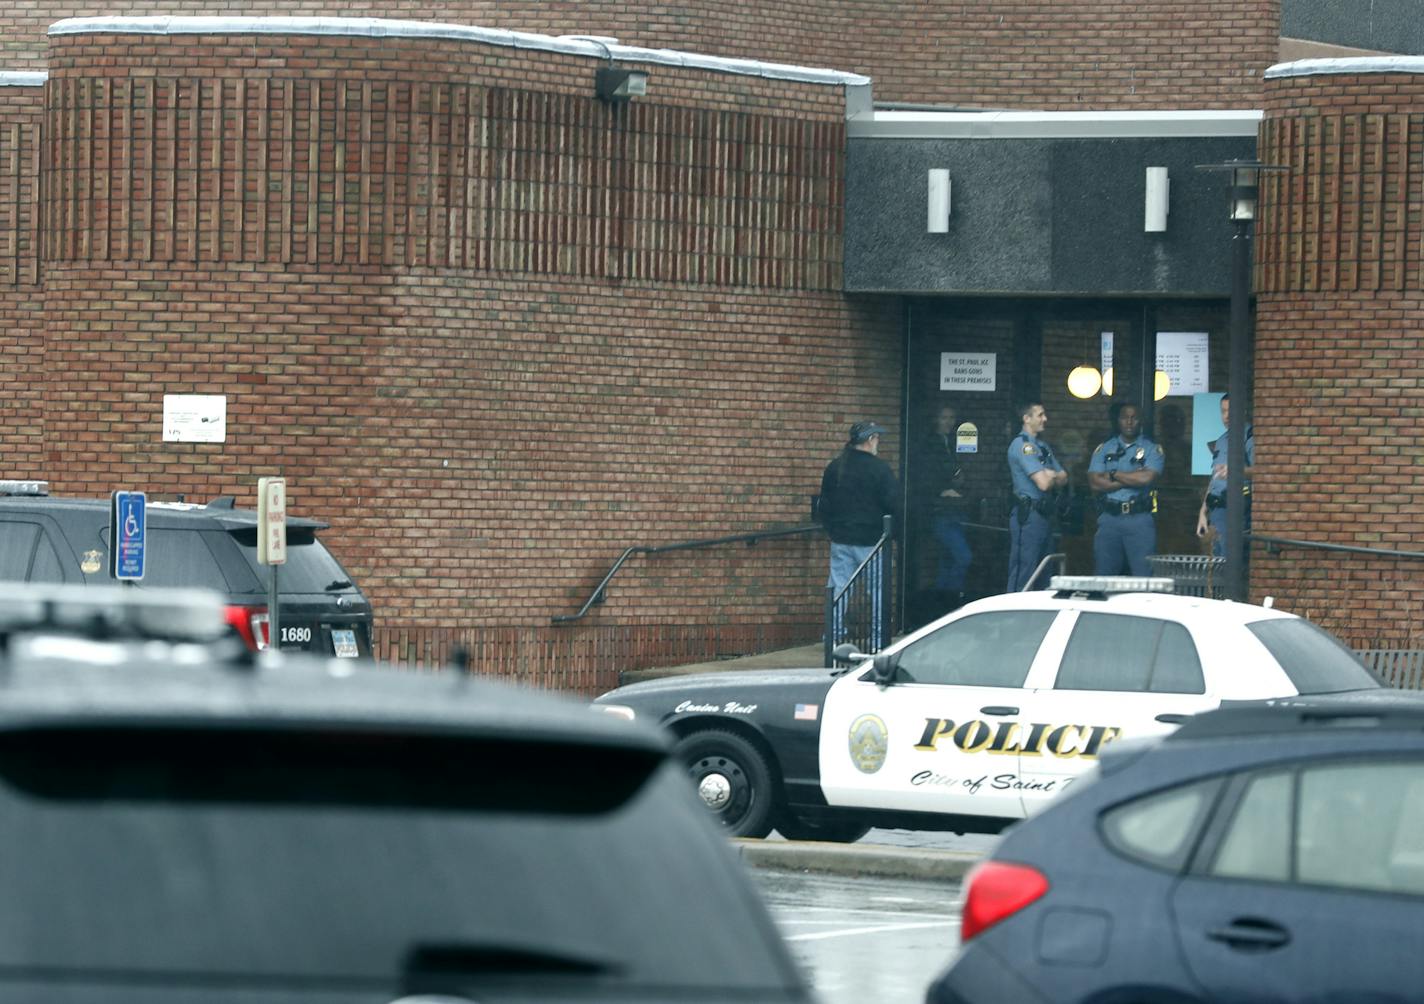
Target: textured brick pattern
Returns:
[[367, 163], [1050, 54], [1339, 362], [493, 333], [21, 315]]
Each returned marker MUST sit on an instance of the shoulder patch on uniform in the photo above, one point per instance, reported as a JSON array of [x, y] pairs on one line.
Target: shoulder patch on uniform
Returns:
[[1158, 451], [1028, 448]]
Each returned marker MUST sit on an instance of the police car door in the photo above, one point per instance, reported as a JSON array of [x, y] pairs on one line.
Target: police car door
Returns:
[[941, 736], [1120, 675]]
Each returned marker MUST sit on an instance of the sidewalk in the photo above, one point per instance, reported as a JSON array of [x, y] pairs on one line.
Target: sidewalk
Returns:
[[858, 859], [802, 657]]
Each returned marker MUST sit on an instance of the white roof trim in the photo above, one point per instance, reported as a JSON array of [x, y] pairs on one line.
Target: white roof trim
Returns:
[[1352, 64], [889, 124], [384, 28], [19, 79]]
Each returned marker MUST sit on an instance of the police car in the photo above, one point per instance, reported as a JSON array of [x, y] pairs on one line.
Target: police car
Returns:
[[981, 717]]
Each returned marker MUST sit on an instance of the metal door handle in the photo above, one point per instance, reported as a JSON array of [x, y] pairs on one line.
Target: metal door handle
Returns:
[[1170, 718], [998, 709], [1259, 935]]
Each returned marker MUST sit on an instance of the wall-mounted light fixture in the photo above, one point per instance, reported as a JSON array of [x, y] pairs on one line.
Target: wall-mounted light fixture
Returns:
[[1154, 216], [938, 219], [611, 83], [614, 84]]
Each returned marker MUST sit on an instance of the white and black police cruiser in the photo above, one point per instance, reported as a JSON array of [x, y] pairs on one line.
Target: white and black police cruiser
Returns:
[[977, 719]]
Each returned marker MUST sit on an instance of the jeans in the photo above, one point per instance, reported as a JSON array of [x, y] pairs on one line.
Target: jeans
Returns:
[[845, 559]]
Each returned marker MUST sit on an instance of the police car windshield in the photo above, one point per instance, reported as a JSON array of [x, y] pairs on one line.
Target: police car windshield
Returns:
[[1314, 659]]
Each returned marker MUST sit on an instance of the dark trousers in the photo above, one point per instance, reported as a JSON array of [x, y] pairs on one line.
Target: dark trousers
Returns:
[[954, 555], [1123, 543], [1028, 545]]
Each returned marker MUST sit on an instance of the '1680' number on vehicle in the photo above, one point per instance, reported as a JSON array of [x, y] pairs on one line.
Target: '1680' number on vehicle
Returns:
[[296, 636]]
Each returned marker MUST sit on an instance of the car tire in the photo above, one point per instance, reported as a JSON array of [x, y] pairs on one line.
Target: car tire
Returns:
[[732, 778], [835, 831]]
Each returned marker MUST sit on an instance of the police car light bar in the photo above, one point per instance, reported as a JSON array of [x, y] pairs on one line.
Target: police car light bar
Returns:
[[1109, 584], [24, 487], [107, 612]]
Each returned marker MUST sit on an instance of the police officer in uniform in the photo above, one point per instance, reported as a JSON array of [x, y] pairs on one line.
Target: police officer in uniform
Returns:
[[1036, 475], [1122, 472], [1213, 508]]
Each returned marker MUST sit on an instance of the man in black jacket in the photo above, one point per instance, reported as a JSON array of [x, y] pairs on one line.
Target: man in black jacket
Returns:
[[858, 490]]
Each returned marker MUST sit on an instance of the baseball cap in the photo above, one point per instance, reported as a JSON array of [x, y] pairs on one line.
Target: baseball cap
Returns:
[[861, 431]]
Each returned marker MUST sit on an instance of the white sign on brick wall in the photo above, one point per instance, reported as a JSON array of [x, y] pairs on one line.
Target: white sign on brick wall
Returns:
[[194, 418], [972, 371]]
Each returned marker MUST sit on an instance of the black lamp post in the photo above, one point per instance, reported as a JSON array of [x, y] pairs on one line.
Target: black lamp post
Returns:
[[1244, 177]]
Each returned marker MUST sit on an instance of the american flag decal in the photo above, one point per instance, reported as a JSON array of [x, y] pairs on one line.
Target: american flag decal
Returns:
[[807, 712]]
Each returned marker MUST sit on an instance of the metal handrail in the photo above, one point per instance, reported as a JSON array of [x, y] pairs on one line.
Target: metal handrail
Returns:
[[1059, 557], [1316, 545], [834, 597], [688, 545]]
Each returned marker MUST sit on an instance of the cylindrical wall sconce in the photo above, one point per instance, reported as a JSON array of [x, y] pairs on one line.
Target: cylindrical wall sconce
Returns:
[[1154, 219], [938, 221]]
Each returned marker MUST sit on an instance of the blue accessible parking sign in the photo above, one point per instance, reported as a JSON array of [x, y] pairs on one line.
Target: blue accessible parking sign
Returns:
[[127, 531]]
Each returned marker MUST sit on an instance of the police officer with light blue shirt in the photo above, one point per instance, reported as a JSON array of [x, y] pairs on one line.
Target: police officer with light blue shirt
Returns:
[[1213, 507], [1036, 474], [1122, 471]]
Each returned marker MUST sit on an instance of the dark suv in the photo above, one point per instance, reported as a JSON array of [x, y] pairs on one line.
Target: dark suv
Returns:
[[45, 538], [189, 822]]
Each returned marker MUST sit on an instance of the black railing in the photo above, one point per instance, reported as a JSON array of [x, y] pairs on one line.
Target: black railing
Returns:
[[860, 612], [1276, 543], [748, 539]]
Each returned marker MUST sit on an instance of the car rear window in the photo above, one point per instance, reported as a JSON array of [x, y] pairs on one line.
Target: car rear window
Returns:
[[310, 567], [1314, 659], [408, 863]]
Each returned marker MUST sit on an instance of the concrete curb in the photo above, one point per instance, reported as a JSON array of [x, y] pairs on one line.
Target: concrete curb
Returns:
[[876, 860]]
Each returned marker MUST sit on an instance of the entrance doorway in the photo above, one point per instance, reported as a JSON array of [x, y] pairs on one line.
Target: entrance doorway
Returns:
[[971, 362]]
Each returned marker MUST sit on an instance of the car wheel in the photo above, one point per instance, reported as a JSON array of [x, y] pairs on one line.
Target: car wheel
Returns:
[[836, 831], [733, 780]]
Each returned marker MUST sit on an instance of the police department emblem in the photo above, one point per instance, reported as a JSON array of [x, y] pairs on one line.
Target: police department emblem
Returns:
[[91, 563], [1028, 448], [1141, 455], [869, 742]]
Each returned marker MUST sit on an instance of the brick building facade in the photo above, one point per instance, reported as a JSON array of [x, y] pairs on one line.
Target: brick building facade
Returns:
[[496, 330]]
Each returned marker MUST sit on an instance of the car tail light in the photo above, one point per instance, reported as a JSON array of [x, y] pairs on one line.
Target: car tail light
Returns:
[[996, 890], [252, 624]]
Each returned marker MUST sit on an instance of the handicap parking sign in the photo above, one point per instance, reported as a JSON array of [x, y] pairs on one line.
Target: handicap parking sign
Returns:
[[127, 532]]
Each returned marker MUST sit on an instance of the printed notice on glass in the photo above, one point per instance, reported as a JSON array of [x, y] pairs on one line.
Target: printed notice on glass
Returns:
[[966, 371], [1182, 355], [194, 418]]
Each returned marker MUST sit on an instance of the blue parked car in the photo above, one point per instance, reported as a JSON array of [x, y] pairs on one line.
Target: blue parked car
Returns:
[[1263, 852]]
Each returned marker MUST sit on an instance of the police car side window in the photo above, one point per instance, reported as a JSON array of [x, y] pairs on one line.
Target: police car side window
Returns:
[[46, 567], [986, 650], [1130, 654], [17, 544]]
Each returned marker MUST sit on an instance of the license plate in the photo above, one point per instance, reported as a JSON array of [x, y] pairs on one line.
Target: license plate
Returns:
[[344, 642]]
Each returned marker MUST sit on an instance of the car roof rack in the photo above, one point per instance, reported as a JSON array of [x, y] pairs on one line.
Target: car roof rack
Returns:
[[33, 488], [1103, 586], [1385, 707]]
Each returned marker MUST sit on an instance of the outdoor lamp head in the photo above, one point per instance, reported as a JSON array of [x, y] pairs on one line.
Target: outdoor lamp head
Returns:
[[1244, 186]]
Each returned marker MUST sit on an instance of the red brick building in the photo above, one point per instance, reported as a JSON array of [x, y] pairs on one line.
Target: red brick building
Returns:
[[496, 330]]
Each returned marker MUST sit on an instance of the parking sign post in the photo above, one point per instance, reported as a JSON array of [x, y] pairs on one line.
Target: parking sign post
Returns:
[[272, 545], [128, 526]]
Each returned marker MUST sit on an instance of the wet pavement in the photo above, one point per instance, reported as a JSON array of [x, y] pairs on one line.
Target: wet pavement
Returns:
[[865, 939]]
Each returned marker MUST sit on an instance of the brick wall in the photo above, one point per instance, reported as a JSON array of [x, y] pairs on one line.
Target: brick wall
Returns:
[[1339, 360], [21, 316], [490, 367], [1046, 54]]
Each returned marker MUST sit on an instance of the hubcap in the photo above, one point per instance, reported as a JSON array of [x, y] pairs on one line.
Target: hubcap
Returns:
[[715, 790]]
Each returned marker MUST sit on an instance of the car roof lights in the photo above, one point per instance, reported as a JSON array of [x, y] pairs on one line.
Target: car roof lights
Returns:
[[1107, 585], [113, 612], [24, 487]]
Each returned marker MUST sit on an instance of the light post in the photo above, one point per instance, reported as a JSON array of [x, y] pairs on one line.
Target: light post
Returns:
[[1244, 176]]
